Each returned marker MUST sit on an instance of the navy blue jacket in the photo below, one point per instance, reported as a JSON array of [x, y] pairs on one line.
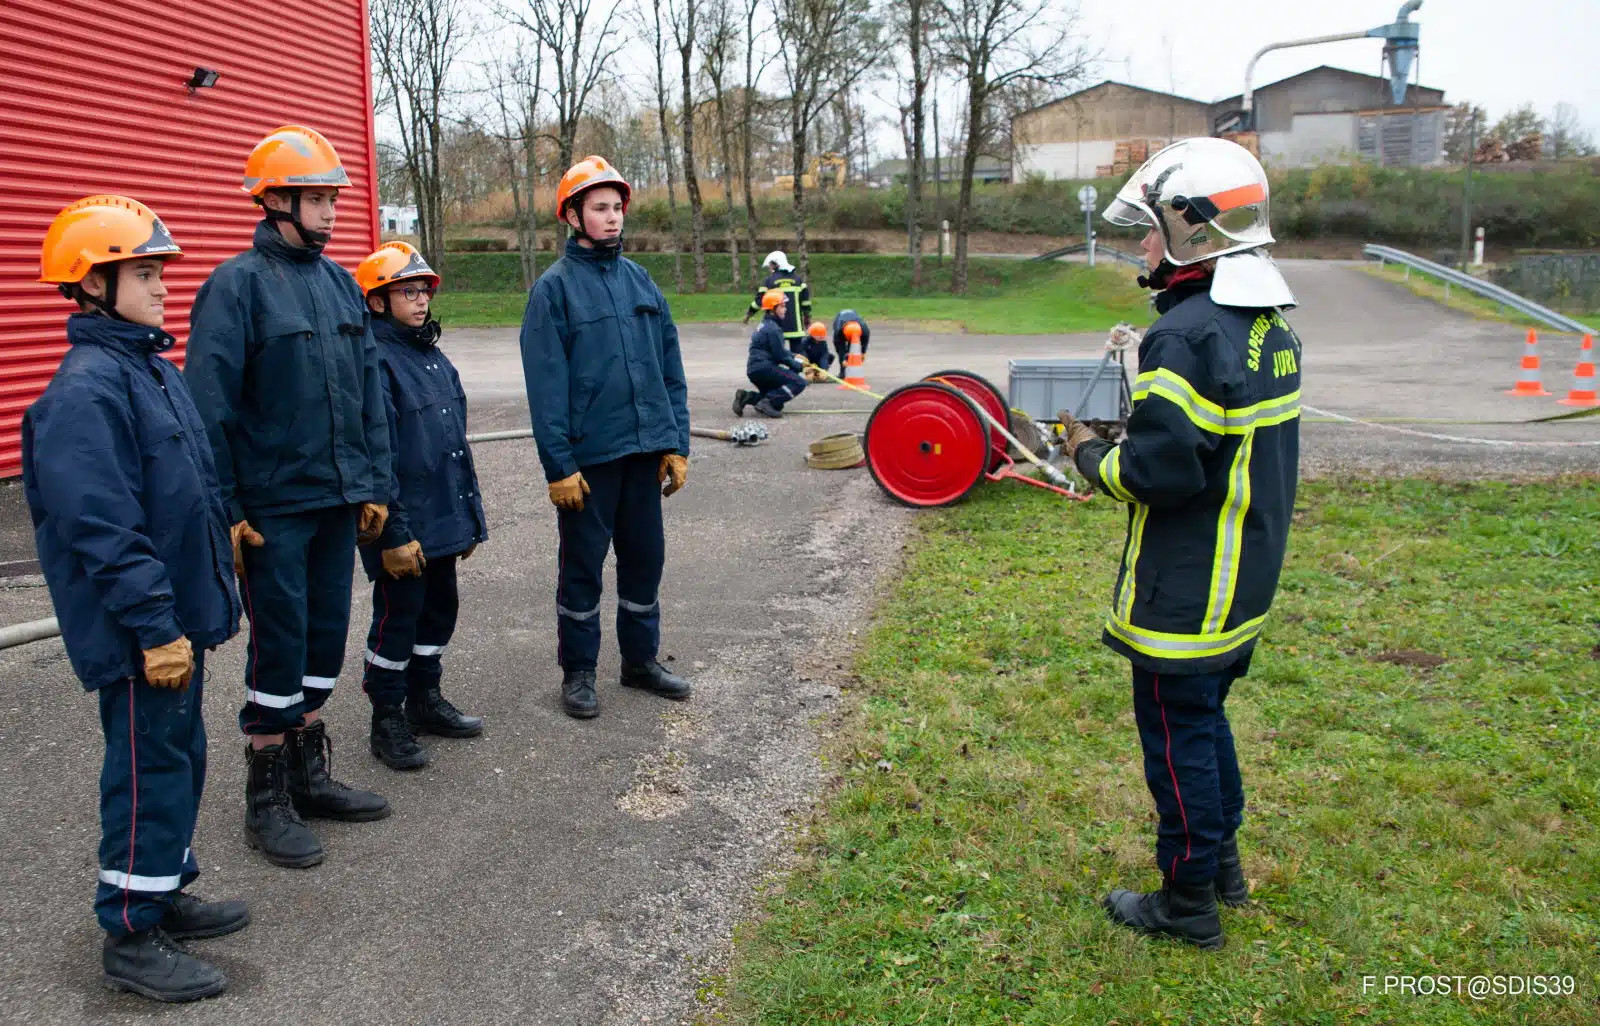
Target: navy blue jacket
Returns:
[[1208, 468], [131, 533], [601, 362], [840, 320], [284, 370], [433, 490], [768, 350]]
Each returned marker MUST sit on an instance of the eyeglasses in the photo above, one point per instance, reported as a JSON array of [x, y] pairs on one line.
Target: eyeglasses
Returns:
[[413, 292]]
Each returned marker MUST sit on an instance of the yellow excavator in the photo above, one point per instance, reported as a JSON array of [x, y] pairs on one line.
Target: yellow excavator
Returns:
[[831, 161]]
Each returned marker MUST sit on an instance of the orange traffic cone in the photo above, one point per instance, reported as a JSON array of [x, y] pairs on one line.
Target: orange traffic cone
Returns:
[[1529, 383], [853, 374], [1583, 391]]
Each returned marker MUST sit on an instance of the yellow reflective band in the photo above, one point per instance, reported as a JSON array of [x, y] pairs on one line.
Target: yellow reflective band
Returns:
[[1141, 513], [1207, 415], [1110, 470], [1230, 537], [1161, 645]]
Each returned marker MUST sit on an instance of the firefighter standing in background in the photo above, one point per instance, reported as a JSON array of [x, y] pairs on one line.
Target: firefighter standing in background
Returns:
[[435, 514], [1208, 468], [285, 372], [610, 409], [782, 276], [133, 543]]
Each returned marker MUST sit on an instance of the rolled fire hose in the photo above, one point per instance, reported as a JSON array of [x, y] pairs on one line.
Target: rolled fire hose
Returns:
[[836, 452]]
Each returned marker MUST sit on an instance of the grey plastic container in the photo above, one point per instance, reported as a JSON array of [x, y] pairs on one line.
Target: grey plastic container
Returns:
[[1040, 387]]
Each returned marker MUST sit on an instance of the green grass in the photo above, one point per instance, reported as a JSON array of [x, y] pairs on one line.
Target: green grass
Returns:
[[1429, 287], [1007, 297], [1401, 820]]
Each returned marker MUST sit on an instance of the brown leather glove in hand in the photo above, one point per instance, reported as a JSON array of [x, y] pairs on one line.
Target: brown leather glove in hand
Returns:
[[1077, 432], [404, 560], [675, 467], [243, 534], [470, 550], [369, 522], [568, 492], [169, 665]]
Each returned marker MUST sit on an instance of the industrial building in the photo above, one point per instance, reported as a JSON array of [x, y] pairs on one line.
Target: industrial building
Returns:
[[1325, 115], [162, 103]]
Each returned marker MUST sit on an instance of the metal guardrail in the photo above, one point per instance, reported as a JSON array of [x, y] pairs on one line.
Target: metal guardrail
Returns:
[[1505, 297], [1100, 250]]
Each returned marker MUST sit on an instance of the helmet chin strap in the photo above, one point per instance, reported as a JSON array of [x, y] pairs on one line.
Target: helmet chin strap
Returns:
[[309, 238], [608, 247], [106, 305]]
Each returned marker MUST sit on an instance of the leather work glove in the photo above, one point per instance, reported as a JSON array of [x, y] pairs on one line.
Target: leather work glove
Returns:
[[470, 550], [675, 467], [404, 560], [169, 665], [243, 534], [1077, 432], [370, 521], [568, 492]]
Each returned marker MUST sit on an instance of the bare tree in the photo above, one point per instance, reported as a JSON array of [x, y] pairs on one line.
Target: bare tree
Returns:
[[513, 82], [684, 16], [916, 113], [1567, 137], [747, 111], [999, 46], [720, 36], [415, 44], [655, 32], [825, 46], [582, 42]]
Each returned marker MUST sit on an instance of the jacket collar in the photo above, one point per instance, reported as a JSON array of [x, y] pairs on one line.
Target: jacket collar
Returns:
[[587, 255], [1183, 290], [421, 339], [123, 336], [268, 241]]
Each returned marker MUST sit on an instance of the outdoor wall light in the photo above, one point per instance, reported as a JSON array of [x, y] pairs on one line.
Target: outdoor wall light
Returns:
[[203, 78]]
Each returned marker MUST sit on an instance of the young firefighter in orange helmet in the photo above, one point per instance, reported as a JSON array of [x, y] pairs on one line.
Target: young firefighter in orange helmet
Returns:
[[610, 408], [133, 543], [285, 372], [435, 514]]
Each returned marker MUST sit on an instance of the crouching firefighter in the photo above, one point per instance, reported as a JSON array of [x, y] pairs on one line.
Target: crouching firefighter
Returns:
[[133, 543], [435, 514], [285, 372], [1208, 468], [770, 366], [610, 408]]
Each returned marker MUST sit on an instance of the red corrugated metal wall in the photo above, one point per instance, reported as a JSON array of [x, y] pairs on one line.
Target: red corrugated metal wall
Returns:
[[92, 99]]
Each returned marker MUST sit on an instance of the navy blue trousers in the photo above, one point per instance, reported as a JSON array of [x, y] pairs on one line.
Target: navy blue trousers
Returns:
[[296, 591], [413, 619], [777, 385], [1190, 767], [150, 785], [621, 511]]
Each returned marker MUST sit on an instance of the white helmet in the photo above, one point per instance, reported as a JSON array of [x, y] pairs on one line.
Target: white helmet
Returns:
[[1209, 199], [778, 260]]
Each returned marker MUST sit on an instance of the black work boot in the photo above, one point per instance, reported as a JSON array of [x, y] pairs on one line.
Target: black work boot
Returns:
[[578, 696], [1232, 888], [655, 678], [1185, 911], [429, 712], [271, 824], [153, 964], [766, 409], [311, 784], [392, 742], [741, 398], [189, 918]]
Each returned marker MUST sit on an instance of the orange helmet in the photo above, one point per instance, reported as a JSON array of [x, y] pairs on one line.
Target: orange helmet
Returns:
[[773, 298], [293, 157], [586, 174], [101, 230], [394, 261], [818, 330]]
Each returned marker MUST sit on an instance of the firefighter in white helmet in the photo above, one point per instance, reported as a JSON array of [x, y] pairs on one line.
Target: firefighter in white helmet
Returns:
[[1208, 469], [781, 275]]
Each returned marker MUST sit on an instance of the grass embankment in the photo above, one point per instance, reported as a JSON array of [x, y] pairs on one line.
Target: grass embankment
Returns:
[[1014, 297], [1427, 286], [1421, 752]]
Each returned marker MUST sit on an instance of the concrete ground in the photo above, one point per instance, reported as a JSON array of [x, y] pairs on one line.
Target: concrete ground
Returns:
[[564, 872]]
